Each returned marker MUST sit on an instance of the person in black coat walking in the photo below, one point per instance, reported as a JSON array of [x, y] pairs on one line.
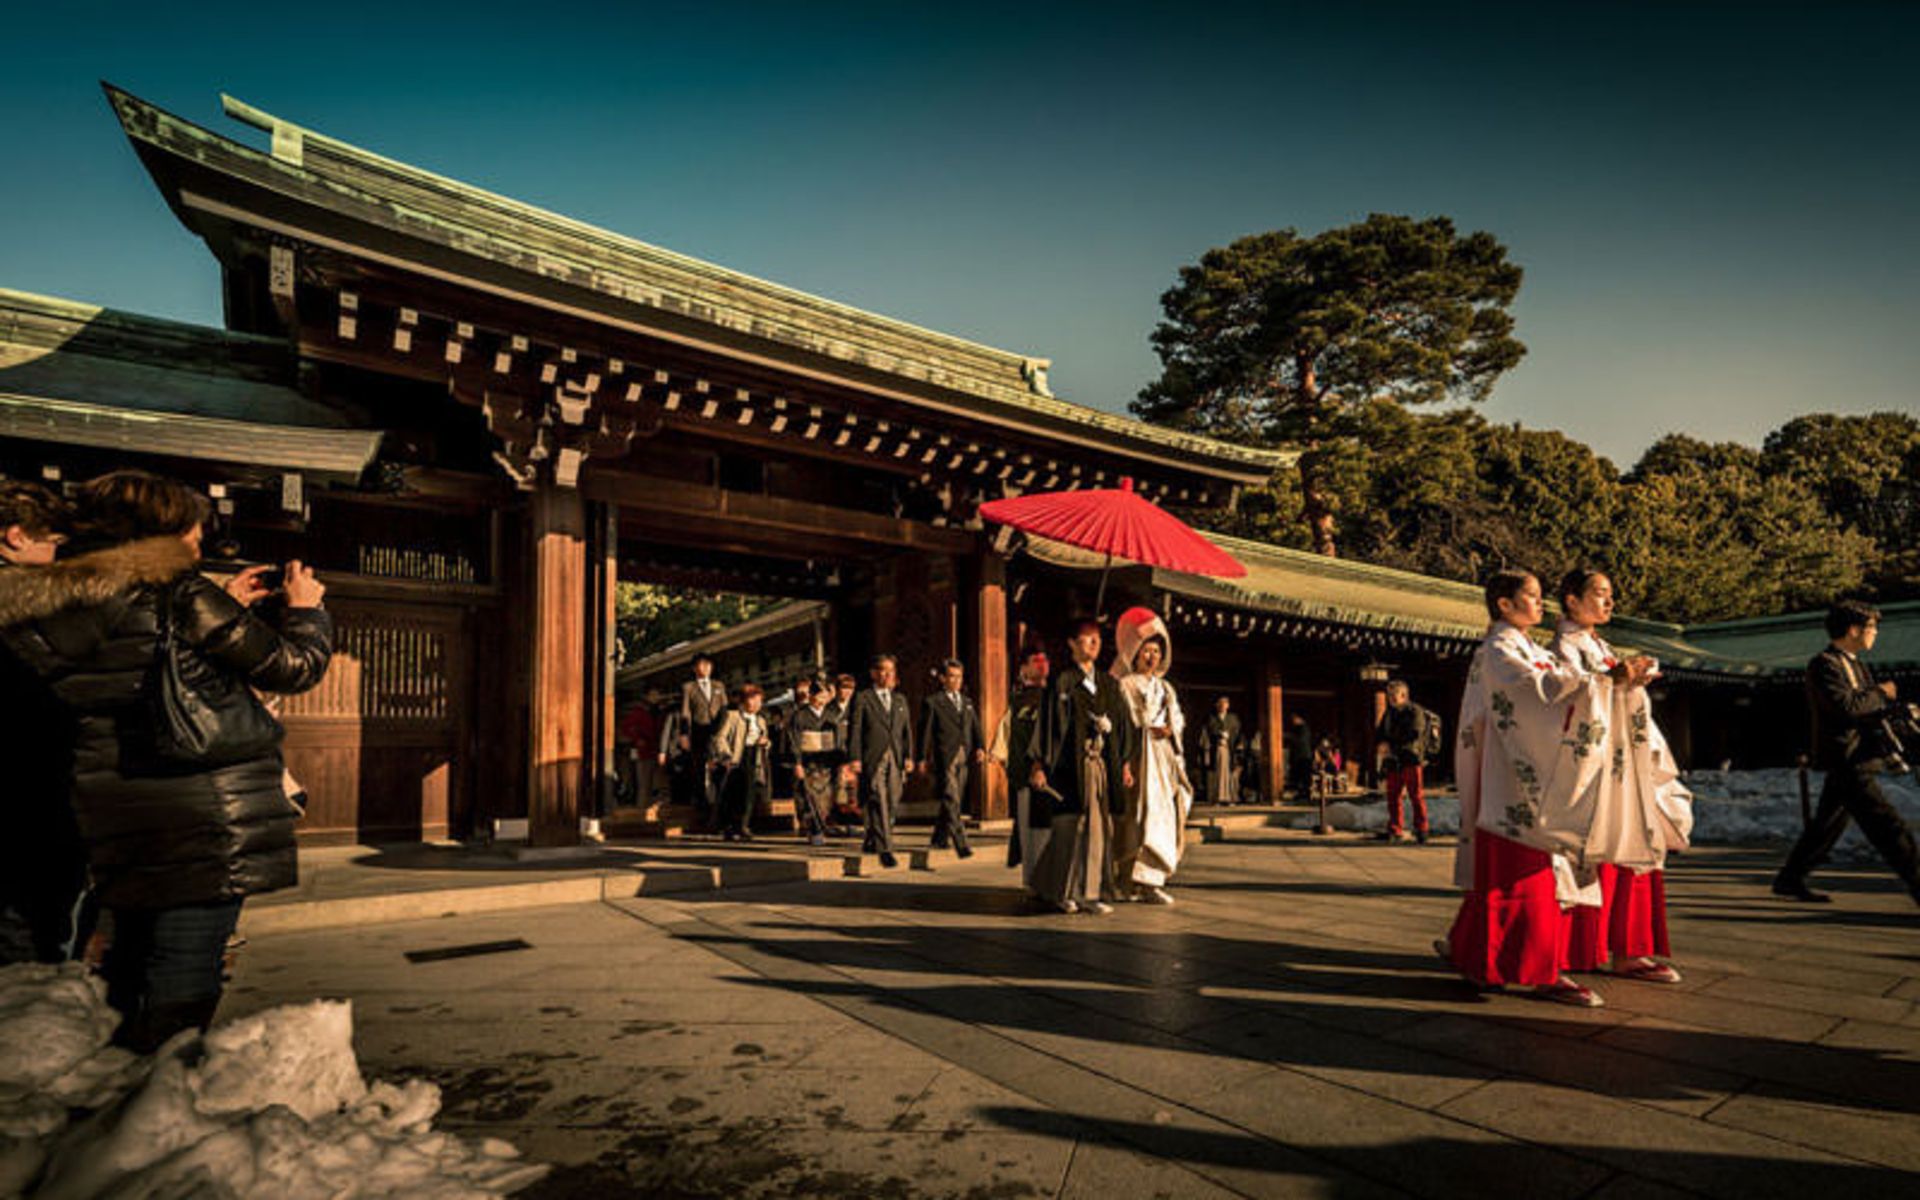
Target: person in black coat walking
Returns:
[[1845, 703], [173, 849], [880, 748], [951, 743]]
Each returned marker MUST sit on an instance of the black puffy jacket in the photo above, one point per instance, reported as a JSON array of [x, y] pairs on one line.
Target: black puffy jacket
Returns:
[[158, 837]]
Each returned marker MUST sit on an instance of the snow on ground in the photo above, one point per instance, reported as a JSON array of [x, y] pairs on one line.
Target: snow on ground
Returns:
[[272, 1105], [1730, 808]]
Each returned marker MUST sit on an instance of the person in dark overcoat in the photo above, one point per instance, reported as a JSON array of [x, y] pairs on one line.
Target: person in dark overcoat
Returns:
[[951, 745], [173, 849]]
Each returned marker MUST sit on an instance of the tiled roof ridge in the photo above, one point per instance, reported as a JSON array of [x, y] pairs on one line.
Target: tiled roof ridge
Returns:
[[942, 360]]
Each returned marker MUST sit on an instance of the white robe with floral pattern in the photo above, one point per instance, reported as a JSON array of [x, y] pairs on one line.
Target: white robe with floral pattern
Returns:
[[1531, 727], [1641, 810]]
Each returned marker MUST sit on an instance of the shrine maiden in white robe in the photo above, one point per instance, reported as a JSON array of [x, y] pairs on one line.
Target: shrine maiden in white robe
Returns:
[[1149, 834], [1641, 810], [1527, 750]]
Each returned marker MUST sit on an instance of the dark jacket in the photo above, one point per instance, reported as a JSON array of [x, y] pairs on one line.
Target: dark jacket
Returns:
[[872, 730], [161, 837], [1069, 720], [947, 733], [42, 859], [1402, 731], [1842, 708], [1023, 735]]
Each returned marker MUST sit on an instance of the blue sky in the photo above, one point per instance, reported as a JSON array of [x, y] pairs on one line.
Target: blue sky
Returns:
[[1714, 203]]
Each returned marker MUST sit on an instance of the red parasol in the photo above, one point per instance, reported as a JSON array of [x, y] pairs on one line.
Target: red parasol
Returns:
[[1118, 523]]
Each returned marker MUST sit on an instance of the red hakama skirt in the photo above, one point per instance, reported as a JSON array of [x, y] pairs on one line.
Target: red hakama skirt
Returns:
[[1631, 921], [1510, 928]]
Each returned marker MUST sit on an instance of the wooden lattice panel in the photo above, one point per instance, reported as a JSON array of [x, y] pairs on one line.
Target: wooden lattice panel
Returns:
[[383, 669]]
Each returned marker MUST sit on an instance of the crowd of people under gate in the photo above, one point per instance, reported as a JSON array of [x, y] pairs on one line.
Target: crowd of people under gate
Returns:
[[150, 798]]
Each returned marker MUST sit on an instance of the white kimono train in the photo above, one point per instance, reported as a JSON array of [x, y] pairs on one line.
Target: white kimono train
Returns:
[[1641, 809], [1150, 834]]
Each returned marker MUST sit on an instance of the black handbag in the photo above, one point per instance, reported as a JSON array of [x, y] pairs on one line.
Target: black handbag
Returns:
[[194, 728]]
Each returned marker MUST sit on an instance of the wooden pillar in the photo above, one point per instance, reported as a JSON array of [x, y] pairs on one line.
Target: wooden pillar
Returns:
[[1273, 748], [557, 694], [603, 774], [985, 592]]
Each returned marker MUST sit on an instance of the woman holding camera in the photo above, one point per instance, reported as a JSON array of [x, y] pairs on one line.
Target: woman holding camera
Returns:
[[178, 833]]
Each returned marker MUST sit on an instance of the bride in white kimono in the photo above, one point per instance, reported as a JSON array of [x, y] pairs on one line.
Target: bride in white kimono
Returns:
[[1149, 834], [1641, 809]]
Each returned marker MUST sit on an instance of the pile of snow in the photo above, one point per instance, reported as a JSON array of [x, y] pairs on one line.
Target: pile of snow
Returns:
[[1370, 816], [271, 1105], [1730, 808], [1745, 807]]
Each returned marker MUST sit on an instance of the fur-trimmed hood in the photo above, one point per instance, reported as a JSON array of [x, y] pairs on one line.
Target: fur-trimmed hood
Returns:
[[30, 593]]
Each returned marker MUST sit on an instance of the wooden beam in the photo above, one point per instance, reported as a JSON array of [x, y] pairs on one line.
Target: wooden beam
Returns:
[[640, 495], [556, 705]]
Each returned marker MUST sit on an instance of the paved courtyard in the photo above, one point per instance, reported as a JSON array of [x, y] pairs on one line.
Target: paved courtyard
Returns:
[[1284, 1030]]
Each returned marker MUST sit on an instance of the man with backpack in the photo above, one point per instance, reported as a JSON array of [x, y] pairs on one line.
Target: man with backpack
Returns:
[[1408, 736]]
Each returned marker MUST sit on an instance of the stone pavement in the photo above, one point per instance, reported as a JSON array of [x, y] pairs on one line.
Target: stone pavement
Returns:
[[1283, 1030]]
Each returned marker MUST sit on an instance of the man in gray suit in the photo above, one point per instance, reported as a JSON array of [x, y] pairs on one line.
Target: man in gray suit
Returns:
[[950, 744], [880, 743], [703, 700]]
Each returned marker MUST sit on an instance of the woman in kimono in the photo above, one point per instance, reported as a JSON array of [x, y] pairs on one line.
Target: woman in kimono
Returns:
[[1641, 810], [1149, 830], [1525, 754]]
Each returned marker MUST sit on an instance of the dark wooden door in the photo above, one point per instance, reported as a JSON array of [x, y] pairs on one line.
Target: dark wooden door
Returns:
[[381, 745]]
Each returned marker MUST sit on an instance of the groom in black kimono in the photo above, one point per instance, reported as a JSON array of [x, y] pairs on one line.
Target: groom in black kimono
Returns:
[[1084, 752]]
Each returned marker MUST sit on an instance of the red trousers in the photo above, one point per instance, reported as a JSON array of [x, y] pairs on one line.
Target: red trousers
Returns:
[[1510, 928], [1406, 779], [1631, 921]]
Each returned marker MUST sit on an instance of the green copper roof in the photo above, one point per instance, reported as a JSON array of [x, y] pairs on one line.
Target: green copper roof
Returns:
[[1785, 643], [1298, 583], [630, 280], [1342, 591]]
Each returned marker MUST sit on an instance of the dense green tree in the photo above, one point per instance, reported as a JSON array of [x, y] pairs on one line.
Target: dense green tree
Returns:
[[649, 618], [1866, 472], [1280, 338], [1721, 538], [1678, 452]]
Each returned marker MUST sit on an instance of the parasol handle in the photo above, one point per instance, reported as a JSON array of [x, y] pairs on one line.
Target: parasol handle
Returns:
[[1100, 597]]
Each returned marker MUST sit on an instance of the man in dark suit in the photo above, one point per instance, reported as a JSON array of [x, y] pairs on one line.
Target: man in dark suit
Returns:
[[703, 700], [880, 742], [1084, 755], [1846, 705], [950, 744]]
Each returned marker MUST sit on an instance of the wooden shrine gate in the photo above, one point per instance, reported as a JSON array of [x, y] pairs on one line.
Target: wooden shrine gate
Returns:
[[383, 746]]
